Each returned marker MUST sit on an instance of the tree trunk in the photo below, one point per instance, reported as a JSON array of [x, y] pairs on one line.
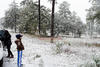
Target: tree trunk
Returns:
[[39, 16], [15, 28], [52, 21], [15, 22]]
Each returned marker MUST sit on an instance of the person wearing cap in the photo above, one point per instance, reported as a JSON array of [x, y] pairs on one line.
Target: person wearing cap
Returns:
[[20, 48]]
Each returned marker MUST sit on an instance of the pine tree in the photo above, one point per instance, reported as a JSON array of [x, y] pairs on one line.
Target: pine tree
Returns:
[[12, 16]]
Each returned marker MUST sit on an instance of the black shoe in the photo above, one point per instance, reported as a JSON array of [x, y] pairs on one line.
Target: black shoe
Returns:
[[21, 65], [11, 57], [7, 56]]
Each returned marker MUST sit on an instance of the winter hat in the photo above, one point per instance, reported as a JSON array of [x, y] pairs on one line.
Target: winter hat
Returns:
[[18, 36]]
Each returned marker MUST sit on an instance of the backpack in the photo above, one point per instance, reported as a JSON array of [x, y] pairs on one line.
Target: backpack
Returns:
[[5, 37], [2, 36]]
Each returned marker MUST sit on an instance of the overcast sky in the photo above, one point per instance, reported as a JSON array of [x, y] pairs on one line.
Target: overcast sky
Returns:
[[78, 6]]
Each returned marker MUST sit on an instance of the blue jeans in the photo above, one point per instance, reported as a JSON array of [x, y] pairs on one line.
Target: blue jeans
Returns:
[[19, 59]]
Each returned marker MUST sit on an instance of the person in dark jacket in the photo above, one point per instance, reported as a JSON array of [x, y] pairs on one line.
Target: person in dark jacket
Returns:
[[7, 42], [20, 48]]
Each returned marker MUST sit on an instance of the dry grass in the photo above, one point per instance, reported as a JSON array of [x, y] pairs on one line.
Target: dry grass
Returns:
[[48, 39]]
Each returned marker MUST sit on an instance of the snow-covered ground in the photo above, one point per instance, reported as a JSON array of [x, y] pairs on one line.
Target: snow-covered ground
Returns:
[[38, 53]]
